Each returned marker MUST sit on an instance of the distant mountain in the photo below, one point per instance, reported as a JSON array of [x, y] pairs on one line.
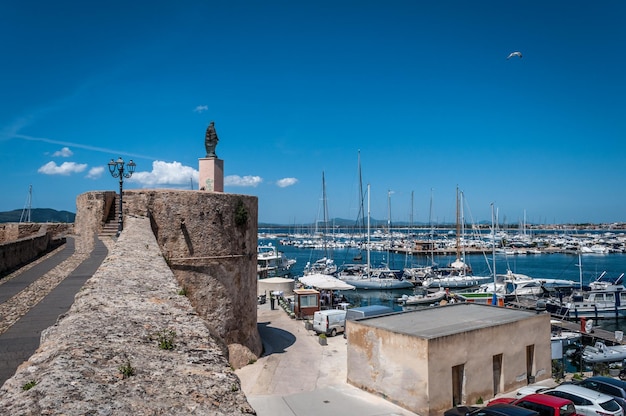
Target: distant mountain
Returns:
[[38, 215]]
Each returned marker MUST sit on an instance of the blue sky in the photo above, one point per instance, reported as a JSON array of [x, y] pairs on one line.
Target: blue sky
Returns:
[[421, 89]]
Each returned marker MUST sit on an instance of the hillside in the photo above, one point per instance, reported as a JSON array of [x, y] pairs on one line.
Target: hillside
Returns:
[[38, 215]]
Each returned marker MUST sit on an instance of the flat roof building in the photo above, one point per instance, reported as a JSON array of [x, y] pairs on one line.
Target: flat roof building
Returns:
[[432, 359]]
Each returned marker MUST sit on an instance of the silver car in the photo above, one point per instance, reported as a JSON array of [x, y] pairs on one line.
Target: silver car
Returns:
[[586, 401]]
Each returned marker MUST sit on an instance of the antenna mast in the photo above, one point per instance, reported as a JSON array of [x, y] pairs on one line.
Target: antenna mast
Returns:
[[25, 217]]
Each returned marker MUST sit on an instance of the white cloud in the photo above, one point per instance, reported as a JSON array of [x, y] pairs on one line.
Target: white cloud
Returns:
[[65, 152], [285, 182], [164, 174], [235, 180], [201, 109], [67, 168], [95, 173]]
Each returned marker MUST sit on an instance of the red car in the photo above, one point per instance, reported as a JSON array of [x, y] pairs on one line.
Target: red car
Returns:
[[544, 404]]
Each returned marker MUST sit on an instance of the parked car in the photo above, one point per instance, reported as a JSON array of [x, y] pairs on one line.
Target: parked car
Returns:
[[460, 410], [586, 401], [545, 404], [607, 385], [499, 409], [502, 409]]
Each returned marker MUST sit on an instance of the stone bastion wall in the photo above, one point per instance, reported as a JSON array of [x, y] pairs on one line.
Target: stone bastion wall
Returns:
[[131, 344], [209, 241]]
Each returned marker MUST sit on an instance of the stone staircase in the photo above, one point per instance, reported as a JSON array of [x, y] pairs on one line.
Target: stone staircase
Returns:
[[109, 229]]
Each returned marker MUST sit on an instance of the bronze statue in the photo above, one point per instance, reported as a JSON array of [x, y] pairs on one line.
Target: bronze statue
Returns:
[[210, 140]]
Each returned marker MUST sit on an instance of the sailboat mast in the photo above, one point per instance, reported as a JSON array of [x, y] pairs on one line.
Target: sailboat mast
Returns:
[[368, 230], [458, 227], [362, 210], [325, 208], [389, 242], [25, 217], [494, 300], [432, 231]]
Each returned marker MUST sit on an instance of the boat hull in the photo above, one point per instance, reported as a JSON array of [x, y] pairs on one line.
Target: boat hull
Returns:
[[379, 284]]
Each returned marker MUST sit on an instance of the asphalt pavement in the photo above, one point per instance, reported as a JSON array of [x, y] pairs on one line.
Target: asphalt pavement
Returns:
[[21, 340]]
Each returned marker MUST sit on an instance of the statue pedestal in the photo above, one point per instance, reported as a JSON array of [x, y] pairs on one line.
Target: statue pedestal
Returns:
[[211, 174]]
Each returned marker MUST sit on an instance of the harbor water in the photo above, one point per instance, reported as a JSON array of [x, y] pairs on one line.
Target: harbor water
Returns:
[[581, 269]]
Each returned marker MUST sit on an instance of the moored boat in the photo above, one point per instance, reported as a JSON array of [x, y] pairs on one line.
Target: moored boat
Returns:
[[605, 300], [272, 263], [427, 298], [602, 353]]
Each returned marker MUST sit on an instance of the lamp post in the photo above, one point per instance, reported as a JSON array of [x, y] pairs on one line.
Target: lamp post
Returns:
[[117, 171]]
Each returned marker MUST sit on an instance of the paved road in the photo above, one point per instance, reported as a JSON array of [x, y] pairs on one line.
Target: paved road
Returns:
[[298, 377], [21, 340]]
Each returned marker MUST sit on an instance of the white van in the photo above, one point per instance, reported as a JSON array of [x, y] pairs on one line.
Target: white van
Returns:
[[329, 322]]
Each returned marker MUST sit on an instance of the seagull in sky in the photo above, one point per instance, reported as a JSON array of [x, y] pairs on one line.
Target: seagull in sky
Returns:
[[512, 54]]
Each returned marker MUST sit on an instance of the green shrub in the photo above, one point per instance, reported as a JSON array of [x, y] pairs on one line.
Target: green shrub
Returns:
[[127, 370], [166, 339], [29, 385]]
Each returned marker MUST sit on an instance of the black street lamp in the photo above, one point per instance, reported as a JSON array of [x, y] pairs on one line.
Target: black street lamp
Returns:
[[117, 171]]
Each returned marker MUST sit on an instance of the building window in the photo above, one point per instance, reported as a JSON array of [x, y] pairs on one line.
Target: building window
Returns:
[[307, 301]]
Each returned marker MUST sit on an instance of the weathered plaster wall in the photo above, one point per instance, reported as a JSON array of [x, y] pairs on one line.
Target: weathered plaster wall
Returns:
[[416, 373], [120, 320]]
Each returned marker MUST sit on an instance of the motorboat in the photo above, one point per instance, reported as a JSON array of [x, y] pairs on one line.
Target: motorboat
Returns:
[[422, 299], [272, 263], [602, 353], [520, 285], [605, 299]]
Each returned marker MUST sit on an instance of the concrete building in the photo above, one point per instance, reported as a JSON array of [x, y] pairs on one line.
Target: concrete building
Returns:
[[432, 359]]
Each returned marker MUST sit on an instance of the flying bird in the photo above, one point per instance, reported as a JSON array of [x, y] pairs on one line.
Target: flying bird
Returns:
[[512, 54]]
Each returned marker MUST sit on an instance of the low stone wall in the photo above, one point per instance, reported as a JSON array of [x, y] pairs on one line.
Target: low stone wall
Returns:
[[17, 253], [109, 354], [12, 231]]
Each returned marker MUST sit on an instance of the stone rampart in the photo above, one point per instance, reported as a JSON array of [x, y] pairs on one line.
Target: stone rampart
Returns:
[[92, 210], [131, 344], [209, 241]]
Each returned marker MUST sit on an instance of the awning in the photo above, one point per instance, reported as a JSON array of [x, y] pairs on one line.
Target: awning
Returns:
[[324, 281]]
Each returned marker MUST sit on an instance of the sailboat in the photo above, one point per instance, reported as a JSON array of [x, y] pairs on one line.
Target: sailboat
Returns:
[[364, 277], [325, 265], [457, 275]]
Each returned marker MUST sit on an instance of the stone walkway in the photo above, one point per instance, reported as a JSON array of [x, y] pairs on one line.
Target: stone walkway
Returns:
[[25, 310]]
